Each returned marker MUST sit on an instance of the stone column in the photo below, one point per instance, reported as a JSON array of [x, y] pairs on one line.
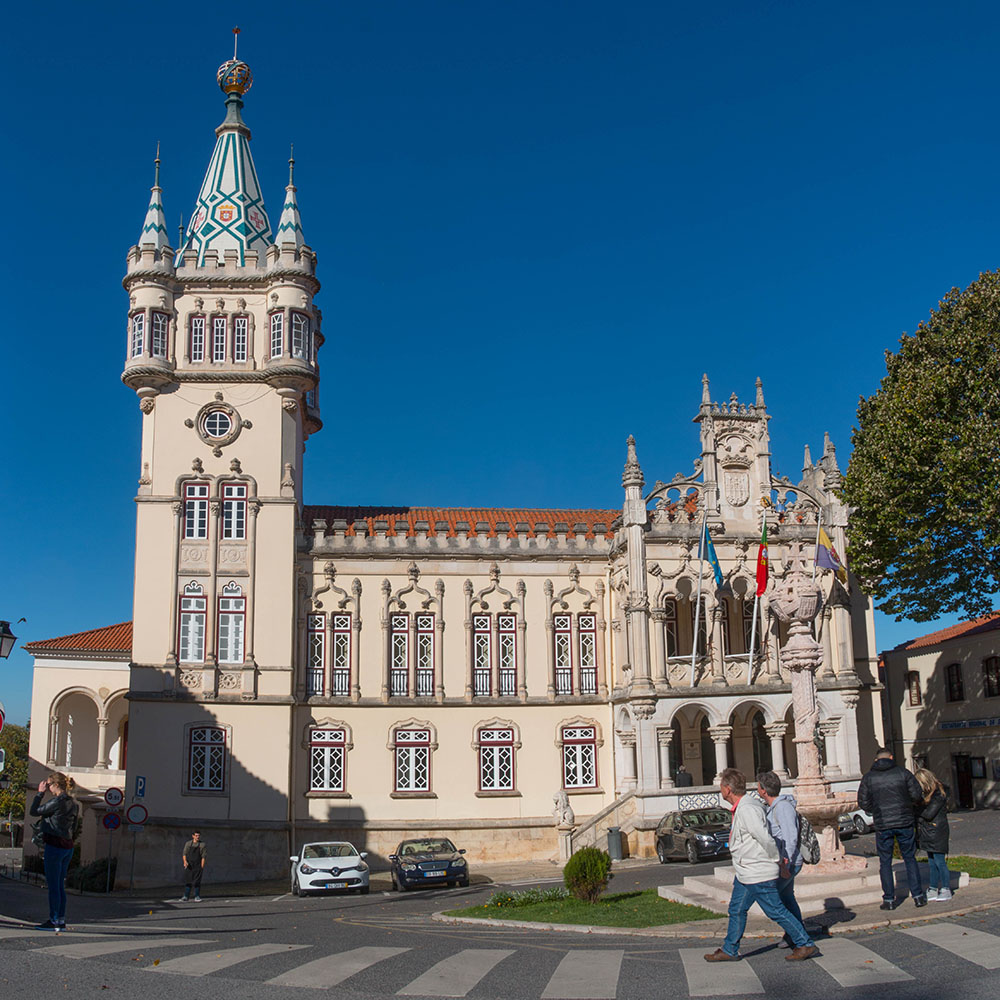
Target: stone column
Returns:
[[356, 642], [253, 508], [627, 741], [50, 761], [550, 651], [602, 638], [658, 617], [829, 729], [177, 506], [664, 741], [718, 652], [771, 637], [720, 737], [776, 734], [437, 660], [102, 744], [826, 627]]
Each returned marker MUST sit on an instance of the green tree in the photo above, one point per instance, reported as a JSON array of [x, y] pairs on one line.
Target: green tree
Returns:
[[924, 475], [14, 740]]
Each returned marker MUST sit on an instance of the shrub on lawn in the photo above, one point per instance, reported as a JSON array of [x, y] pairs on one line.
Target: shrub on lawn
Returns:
[[92, 877], [587, 873]]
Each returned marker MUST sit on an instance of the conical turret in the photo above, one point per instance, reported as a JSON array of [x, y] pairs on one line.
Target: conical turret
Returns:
[[290, 224], [154, 229]]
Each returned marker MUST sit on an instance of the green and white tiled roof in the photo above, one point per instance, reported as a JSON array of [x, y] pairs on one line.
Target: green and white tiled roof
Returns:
[[154, 229], [290, 225]]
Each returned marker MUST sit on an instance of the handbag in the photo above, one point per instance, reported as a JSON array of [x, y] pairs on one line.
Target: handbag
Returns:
[[38, 834]]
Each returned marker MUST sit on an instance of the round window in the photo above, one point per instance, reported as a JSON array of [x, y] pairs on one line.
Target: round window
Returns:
[[218, 423]]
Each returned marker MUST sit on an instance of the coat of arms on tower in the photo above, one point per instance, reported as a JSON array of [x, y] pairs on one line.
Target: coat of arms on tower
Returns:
[[226, 212], [736, 483], [736, 458]]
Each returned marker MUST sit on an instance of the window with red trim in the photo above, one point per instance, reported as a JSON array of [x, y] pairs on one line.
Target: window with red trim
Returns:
[[220, 330], [196, 510], [340, 668], [412, 751], [315, 654], [482, 657], [161, 326], [496, 759], [207, 759], [579, 753], [196, 338], [399, 655], [234, 511]]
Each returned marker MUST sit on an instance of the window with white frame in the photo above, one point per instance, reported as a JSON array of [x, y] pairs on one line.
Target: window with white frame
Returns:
[[300, 335], [219, 331], [563, 640], [341, 659], [482, 642], [588, 653], [727, 631], [234, 511], [579, 756], [196, 510], [232, 623], [137, 338], [241, 338], [161, 324], [191, 638], [670, 626], [748, 627], [412, 749], [196, 338], [207, 759], [399, 655], [315, 654], [496, 759], [425, 655], [507, 655], [702, 625], [327, 760], [277, 334]]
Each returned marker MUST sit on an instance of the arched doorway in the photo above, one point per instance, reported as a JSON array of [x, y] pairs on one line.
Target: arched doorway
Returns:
[[707, 754], [762, 760], [75, 733]]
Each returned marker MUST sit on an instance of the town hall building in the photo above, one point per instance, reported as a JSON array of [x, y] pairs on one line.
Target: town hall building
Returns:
[[519, 680]]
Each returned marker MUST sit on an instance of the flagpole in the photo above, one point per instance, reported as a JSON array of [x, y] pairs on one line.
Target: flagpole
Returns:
[[697, 607], [753, 638], [819, 524]]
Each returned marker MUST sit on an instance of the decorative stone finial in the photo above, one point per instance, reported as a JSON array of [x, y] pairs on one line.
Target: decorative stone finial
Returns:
[[806, 460], [632, 474], [760, 393], [706, 397]]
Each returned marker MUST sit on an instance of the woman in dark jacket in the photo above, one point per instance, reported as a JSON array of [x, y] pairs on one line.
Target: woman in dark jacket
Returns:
[[932, 834], [57, 827]]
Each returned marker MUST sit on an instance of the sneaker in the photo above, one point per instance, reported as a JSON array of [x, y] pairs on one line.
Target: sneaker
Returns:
[[183, 899], [888, 904], [932, 895], [920, 900], [801, 954], [943, 895], [721, 956], [197, 899], [49, 925]]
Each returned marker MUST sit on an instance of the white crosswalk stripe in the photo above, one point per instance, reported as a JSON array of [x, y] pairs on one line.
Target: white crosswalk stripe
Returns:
[[203, 963], [330, 970], [852, 964], [16, 933], [586, 975], [974, 946], [456, 975], [94, 949], [717, 979]]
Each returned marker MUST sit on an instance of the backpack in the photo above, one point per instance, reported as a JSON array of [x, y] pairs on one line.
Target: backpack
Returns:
[[808, 841]]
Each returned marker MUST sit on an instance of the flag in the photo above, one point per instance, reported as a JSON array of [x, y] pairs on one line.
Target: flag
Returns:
[[706, 550], [762, 565], [827, 558]]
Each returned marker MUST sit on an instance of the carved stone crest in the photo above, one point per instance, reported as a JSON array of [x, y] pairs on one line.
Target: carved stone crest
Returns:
[[736, 483]]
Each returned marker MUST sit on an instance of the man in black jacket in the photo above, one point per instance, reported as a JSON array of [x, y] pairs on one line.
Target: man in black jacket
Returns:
[[892, 795]]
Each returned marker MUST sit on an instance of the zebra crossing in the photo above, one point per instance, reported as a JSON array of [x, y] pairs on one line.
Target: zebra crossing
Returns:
[[581, 973]]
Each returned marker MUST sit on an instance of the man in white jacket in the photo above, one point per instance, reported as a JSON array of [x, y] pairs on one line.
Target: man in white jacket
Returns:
[[756, 860]]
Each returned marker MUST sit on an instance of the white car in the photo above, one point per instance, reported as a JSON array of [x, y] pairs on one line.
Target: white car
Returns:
[[856, 821], [329, 865]]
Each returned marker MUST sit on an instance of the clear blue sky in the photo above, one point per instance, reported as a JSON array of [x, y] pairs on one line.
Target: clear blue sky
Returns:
[[538, 224]]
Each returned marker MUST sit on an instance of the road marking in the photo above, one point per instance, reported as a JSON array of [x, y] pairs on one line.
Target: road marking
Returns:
[[851, 964], [586, 975], [93, 949], [278, 899], [974, 946], [333, 969], [203, 963], [12, 933], [534, 881], [456, 975], [717, 979]]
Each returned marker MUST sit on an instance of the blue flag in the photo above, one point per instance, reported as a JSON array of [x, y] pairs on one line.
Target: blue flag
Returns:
[[706, 550]]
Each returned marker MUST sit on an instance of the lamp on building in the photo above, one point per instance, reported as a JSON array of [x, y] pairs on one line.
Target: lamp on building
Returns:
[[7, 639]]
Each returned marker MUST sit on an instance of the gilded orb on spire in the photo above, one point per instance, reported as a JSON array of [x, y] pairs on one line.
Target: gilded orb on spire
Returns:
[[234, 75]]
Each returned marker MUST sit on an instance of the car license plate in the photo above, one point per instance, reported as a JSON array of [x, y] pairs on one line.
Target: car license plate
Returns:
[[336, 885], [434, 874]]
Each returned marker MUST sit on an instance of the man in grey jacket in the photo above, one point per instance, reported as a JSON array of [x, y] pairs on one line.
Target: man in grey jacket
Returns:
[[783, 822], [756, 860]]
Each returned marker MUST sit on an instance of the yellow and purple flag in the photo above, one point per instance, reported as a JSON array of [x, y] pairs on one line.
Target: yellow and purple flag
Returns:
[[827, 558]]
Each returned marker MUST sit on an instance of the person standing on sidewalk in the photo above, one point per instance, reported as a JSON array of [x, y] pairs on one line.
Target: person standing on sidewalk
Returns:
[[58, 827], [783, 823], [932, 834], [892, 795], [193, 856], [755, 858]]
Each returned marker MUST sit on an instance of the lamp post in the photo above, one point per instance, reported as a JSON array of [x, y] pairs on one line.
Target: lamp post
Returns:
[[7, 639]]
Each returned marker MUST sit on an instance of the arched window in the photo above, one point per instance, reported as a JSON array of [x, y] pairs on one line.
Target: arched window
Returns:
[[496, 744], [707, 754]]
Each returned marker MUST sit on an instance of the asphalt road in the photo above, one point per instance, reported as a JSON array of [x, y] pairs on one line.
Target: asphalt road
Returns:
[[386, 945]]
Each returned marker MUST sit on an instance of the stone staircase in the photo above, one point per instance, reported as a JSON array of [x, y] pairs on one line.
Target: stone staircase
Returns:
[[815, 893]]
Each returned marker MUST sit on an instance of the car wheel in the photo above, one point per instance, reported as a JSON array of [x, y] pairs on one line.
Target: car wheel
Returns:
[[464, 883], [860, 825], [295, 886], [393, 885], [692, 853], [661, 854]]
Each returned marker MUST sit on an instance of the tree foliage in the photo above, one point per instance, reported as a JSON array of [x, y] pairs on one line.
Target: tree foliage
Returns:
[[924, 475], [14, 740], [587, 873]]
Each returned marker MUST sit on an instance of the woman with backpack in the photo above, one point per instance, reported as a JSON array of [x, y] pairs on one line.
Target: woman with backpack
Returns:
[[932, 834], [57, 828]]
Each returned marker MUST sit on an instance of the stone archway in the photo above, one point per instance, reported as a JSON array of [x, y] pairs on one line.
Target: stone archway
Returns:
[[75, 734]]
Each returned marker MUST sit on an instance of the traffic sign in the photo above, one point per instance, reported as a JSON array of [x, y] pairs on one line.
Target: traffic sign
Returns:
[[140, 786], [111, 821], [136, 814], [114, 797]]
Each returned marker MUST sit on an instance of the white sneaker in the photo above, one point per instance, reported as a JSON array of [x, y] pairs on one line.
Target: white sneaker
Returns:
[[197, 899], [183, 899], [932, 894], [943, 895]]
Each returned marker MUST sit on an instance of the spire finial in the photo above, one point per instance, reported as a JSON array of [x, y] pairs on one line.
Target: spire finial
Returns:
[[156, 173], [291, 164], [236, 38], [632, 473], [760, 393], [806, 460], [180, 230], [705, 394]]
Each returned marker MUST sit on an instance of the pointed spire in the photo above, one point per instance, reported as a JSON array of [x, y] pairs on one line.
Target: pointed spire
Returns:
[[290, 224], [832, 478], [807, 461], [706, 396], [760, 394], [154, 228], [632, 474]]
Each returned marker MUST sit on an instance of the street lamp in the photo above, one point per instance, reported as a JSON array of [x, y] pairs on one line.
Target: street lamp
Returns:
[[7, 639]]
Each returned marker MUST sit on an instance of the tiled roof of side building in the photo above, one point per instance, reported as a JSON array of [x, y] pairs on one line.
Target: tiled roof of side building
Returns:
[[988, 623], [110, 639], [491, 521]]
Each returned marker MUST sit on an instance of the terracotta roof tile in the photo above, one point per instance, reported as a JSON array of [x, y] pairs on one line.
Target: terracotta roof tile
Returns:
[[988, 623], [491, 521], [110, 639]]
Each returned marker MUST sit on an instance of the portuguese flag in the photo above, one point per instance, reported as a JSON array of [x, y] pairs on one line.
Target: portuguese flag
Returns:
[[762, 563]]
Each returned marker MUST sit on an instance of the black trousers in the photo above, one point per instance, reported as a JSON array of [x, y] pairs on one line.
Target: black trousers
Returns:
[[192, 877]]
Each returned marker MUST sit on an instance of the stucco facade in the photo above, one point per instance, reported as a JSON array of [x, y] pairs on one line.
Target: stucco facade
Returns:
[[519, 679]]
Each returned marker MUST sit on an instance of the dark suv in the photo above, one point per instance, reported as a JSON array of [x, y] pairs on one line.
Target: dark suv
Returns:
[[695, 834]]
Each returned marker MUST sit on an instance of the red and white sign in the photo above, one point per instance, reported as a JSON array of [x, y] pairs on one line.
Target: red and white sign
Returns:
[[114, 797], [136, 814]]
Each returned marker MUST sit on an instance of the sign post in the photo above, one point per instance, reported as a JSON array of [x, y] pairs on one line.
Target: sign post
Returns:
[[136, 815], [113, 798]]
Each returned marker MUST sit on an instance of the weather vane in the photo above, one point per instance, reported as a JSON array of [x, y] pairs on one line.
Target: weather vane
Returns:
[[236, 38]]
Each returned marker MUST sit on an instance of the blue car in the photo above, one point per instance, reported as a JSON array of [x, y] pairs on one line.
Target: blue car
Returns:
[[426, 861]]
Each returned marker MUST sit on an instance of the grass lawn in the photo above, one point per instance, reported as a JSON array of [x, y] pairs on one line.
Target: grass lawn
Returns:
[[620, 909], [976, 867]]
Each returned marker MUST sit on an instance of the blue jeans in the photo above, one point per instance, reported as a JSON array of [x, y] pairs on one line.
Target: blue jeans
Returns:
[[786, 892], [56, 864], [938, 876], [907, 847], [765, 894]]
